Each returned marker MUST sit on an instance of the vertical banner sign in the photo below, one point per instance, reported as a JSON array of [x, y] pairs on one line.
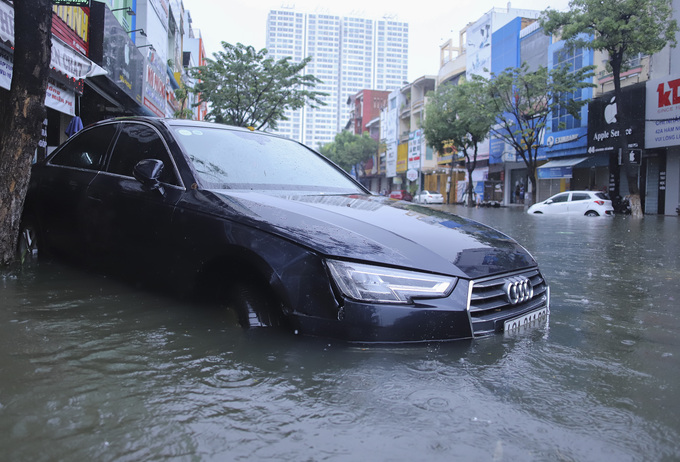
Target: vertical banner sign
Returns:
[[41, 152], [415, 145]]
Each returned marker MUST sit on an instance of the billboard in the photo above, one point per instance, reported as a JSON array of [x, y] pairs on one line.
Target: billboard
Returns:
[[662, 127]]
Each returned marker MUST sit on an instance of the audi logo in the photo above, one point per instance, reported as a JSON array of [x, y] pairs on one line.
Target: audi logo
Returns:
[[518, 289]]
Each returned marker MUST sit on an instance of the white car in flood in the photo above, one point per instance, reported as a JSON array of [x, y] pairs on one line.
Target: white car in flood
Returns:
[[428, 197], [588, 203]]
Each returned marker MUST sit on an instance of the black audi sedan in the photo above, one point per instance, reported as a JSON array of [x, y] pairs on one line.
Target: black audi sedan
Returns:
[[276, 232]]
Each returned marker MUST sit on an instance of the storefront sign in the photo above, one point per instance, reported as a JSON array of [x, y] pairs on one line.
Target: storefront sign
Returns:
[[41, 151], [402, 158], [85, 3], [496, 148], [553, 140], [65, 59], [391, 159], [554, 172], [662, 127], [604, 134], [162, 10], [6, 22], [71, 24], [154, 85], [415, 147], [58, 97], [111, 46], [479, 47]]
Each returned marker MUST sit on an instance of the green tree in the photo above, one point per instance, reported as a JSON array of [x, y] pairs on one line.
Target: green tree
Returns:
[[459, 114], [348, 150], [22, 111], [622, 29], [522, 100], [184, 111], [246, 88]]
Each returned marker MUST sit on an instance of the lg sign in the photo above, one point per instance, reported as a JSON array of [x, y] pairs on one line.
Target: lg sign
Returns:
[[670, 96]]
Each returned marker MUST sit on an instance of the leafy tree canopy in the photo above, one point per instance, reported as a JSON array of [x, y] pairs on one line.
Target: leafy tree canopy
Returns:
[[246, 88], [523, 100], [458, 114], [622, 28], [348, 149]]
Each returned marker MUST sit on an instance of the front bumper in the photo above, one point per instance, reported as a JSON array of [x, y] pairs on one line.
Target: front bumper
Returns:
[[474, 309]]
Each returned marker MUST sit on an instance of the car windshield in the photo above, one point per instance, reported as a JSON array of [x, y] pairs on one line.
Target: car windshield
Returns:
[[235, 159]]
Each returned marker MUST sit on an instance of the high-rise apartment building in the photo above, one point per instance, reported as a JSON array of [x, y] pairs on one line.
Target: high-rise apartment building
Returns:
[[349, 54]]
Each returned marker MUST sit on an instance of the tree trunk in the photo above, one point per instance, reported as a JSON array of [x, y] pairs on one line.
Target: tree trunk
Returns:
[[532, 181], [470, 189], [22, 116], [450, 186], [622, 121], [471, 165]]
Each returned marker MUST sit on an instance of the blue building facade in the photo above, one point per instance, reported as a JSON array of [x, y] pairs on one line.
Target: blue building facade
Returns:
[[565, 146], [564, 142], [505, 172]]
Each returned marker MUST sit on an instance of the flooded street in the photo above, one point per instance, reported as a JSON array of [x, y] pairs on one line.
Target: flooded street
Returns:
[[94, 369]]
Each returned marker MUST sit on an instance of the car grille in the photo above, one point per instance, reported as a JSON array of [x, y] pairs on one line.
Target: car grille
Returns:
[[489, 305]]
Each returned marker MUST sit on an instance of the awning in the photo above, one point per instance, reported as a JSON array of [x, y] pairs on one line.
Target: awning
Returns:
[[559, 163], [598, 160], [563, 168]]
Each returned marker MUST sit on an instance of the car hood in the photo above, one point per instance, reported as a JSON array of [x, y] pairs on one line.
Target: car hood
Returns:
[[380, 230]]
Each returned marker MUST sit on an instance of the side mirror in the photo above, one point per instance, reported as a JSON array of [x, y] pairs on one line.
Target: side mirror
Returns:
[[147, 172], [548, 202]]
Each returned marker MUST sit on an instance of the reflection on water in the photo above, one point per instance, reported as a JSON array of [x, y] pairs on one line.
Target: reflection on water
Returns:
[[91, 369]]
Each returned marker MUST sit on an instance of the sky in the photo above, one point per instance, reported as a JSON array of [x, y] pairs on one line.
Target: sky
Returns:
[[430, 24]]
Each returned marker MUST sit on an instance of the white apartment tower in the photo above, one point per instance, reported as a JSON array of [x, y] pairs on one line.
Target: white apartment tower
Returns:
[[349, 54]]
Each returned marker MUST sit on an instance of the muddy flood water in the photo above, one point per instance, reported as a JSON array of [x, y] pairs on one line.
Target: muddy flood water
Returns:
[[95, 369]]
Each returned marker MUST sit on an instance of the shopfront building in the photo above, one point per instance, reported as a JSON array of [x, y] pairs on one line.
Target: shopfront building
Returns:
[[70, 68], [662, 146], [604, 140]]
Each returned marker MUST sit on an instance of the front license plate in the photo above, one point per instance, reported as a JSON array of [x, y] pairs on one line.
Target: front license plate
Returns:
[[526, 321]]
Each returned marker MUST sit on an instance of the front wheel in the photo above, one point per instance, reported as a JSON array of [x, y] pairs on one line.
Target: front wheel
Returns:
[[255, 306]]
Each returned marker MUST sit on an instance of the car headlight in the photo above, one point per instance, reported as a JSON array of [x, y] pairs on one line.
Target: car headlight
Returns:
[[370, 283]]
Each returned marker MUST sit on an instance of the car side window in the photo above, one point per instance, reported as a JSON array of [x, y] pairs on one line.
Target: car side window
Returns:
[[561, 198], [579, 197], [138, 142], [87, 149]]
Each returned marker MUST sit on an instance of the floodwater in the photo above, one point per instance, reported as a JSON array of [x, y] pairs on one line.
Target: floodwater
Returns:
[[93, 369]]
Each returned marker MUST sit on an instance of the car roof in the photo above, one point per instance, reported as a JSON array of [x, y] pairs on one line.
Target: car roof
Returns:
[[584, 191], [168, 122]]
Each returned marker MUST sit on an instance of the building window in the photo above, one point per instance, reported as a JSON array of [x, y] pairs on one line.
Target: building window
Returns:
[[561, 119]]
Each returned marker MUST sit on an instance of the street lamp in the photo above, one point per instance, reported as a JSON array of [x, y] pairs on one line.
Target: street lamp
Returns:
[[145, 46], [127, 10], [141, 32]]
